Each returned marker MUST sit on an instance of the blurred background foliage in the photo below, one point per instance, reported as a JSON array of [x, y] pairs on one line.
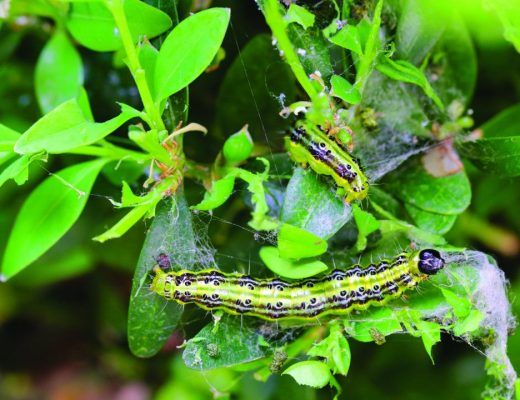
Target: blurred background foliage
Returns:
[[63, 319]]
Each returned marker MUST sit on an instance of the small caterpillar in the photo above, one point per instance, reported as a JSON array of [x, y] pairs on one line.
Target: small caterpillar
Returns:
[[339, 292], [309, 145]]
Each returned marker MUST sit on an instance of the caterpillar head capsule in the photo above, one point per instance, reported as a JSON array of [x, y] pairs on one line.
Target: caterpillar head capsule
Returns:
[[430, 261]]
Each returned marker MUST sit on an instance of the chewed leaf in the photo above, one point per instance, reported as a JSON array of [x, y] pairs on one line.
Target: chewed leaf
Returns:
[[218, 195]]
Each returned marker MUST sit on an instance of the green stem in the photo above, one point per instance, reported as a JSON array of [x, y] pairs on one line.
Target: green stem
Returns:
[[271, 9], [150, 107], [366, 62]]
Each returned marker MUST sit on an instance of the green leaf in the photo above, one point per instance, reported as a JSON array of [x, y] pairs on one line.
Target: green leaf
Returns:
[[93, 26], [300, 15], [335, 349], [461, 305], [348, 38], [297, 243], [344, 90], [366, 224], [151, 318], [223, 188], [404, 71], [500, 156], [238, 146], [470, 324], [148, 55], [257, 67], [498, 152], [66, 128], [129, 220], [430, 334], [445, 195], [311, 205], [220, 191], [8, 138], [188, 50], [238, 343], [311, 373], [431, 222], [18, 170], [59, 73], [290, 269], [382, 320], [48, 213]]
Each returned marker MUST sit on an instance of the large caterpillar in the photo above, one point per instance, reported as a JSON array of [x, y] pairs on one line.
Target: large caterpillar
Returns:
[[339, 292], [309, 145]]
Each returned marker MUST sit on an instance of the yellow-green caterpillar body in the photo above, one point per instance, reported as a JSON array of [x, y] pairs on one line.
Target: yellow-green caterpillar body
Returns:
[[339, 292], [308, 145]]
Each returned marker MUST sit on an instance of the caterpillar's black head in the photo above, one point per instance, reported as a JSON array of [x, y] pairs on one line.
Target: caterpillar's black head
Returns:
[[430, 261]]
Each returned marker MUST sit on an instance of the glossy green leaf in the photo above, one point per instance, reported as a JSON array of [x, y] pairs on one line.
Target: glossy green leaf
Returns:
[[310, 204], [59, 73], [290, 269], [348, 38], [430, 334], [66, 128], [300, 15], [220, 191], [431, 222], [344, 90], [296, 243], [148, 58], [380, 320], [152, 319], [311, 373], [93, 26], [498, 152], [444, 195], [236, 341], [406, 72], [188, 50], [48, 213]]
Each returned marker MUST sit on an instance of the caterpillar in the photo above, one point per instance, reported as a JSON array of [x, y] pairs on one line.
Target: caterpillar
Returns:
[[308, 145], [339, 292]]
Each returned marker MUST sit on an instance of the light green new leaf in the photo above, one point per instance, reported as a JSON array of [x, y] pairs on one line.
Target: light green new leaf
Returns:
[[297, 243], [47, 214], [290, 269], [188, 50], [59, 73], [404, 71], [311, 373], [335, 349], [344, 90], [66, 128], [300, 15], [348, 38]]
